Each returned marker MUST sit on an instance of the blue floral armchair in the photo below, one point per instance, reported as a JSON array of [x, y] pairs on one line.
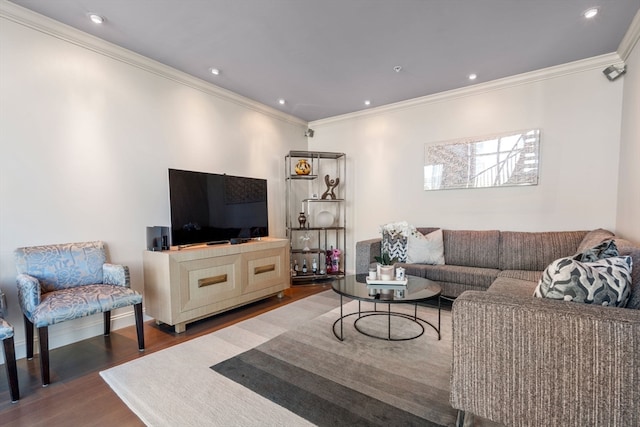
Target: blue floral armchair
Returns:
[[67, 281], [6, 336]]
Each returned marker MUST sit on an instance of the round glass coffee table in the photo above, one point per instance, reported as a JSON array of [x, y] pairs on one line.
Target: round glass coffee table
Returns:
[[417, 290]]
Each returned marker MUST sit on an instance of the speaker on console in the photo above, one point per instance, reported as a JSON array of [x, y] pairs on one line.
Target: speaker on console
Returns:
[[158, 238]]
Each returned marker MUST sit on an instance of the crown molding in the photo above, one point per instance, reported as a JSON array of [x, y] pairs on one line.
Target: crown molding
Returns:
[[630, 38], [40, 23], [596, 62], [35, 21]]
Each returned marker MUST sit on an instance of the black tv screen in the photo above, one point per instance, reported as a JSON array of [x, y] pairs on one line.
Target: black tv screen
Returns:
[[213, 208]]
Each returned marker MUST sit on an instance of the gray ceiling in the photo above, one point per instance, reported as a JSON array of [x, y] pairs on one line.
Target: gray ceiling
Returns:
[[325, 57]]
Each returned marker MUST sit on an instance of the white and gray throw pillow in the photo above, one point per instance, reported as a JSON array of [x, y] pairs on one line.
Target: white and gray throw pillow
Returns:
[[425, 249], [605, 282], [606, 249]]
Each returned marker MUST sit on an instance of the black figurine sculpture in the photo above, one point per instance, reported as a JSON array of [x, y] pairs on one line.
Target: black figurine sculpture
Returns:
[[331, 185]]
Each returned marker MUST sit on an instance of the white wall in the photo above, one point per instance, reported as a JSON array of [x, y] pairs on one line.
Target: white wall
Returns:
[[628, 219], [86, 137], [578, 112], [85, 143]]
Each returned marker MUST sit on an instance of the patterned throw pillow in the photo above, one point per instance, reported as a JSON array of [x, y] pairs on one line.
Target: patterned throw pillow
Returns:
[[395, 245], [606, 249], [394, 239], [604, 282]]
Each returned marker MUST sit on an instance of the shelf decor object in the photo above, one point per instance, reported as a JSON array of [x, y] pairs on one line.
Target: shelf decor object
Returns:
[[303, 167], [302, 219], [325, 219], [331, 186], [320, 240]]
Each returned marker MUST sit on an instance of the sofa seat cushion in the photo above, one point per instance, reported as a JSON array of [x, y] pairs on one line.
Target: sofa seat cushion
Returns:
[[531, 276], [511, 286], [472, 276], [452, 291], [81, 301], [535, 251]]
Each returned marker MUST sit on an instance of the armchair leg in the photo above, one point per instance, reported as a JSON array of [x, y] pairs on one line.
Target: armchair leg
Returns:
[[12, 370], [43, 336], [28, 330], [107, 323], [137, 308]]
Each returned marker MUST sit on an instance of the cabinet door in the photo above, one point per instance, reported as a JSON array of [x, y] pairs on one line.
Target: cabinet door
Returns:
[[265, 269], [209, 280]]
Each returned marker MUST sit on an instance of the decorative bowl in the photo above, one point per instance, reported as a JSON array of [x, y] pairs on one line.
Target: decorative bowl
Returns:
[[324, 219]]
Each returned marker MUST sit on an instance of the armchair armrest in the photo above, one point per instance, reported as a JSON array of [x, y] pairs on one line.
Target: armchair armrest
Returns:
[[28, 293], [527, 361], [114, 274], [366, 250]]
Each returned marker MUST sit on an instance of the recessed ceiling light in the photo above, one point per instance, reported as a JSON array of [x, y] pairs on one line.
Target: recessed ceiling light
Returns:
[[214, 71], [590, 13], [473, 76], [367, 102], [96, 19], [281, 101]]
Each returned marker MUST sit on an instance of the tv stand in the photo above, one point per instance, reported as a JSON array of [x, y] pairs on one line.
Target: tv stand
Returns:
[[182, 286]]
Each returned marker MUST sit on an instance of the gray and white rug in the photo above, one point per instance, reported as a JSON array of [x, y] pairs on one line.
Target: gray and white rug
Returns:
[[286, 368]]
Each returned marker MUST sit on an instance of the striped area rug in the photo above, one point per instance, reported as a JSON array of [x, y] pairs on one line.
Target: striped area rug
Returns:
[[358, 382], [286, 368]]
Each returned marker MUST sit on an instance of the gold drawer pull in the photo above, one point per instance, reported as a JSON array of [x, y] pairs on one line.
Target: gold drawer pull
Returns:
[[208, 281], [264, 269]]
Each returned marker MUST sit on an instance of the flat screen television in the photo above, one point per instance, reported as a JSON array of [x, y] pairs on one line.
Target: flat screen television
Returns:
[[213, 208]]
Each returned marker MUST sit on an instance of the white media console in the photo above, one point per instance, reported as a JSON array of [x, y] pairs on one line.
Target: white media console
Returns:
[[182, 286]]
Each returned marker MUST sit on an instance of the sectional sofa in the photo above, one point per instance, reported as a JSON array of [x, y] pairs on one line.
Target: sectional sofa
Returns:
[[475, 259], [526, 361]]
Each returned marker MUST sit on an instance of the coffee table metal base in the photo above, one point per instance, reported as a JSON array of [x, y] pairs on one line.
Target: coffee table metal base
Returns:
[[389, 314]]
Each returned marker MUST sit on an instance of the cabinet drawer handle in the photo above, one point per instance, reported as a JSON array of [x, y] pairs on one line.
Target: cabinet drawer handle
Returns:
[[208, 281], [264, 269]]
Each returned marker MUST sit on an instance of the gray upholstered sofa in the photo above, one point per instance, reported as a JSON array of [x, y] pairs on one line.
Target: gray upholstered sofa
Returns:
[[524, 361], [475, 259]]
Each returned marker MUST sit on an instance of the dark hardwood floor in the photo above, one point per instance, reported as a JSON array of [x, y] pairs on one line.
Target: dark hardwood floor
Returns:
[[77, 395]]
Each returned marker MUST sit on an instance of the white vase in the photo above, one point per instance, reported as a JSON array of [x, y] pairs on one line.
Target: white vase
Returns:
[[386, 272]]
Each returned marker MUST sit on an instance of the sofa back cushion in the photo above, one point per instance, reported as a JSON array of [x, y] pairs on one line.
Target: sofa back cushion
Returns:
[[625, 247], [535, 251], [593, 238], [471, 248]]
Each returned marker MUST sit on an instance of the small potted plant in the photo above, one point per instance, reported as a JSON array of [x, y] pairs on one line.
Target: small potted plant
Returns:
[[386, 266]]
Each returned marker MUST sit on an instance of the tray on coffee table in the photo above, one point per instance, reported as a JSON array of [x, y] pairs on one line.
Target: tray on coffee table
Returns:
[[388, 284]]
